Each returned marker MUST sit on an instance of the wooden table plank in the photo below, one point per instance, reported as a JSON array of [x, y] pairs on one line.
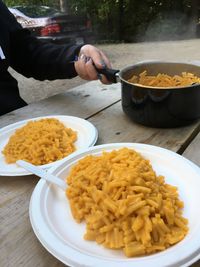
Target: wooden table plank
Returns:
[[192, 152], [114, 126], [18, 244], [82, 101]]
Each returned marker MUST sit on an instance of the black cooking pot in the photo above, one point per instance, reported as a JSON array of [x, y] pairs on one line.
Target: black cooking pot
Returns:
[[156, 106]]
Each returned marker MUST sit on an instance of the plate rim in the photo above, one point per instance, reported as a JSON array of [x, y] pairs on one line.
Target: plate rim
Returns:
[[41, 184], [45, 166]]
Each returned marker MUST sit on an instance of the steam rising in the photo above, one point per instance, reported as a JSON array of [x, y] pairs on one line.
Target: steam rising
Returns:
[[174, 26]]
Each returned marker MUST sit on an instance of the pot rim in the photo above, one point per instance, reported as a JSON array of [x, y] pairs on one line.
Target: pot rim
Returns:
[[191, 63]]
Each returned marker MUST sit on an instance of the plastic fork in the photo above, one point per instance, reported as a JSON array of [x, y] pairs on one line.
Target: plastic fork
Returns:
[[42, 173]]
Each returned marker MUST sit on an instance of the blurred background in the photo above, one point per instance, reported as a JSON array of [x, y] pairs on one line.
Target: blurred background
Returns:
[[127, 31], [110, 21]]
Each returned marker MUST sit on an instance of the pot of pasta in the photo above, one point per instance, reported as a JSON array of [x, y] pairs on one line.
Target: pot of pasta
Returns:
[[158, 93]]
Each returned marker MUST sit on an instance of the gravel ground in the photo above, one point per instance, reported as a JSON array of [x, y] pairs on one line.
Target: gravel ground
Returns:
[[120, 55]]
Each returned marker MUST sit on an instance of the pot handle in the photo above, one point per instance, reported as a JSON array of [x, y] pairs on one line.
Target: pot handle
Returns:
[[111, 74]]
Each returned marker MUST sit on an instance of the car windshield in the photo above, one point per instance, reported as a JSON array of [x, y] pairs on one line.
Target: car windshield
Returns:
[[37, 11]]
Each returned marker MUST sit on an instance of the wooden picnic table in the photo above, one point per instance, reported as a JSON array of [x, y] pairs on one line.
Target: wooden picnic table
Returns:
[[101, 105]]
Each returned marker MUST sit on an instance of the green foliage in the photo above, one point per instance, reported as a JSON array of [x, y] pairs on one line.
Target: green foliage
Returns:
[[133, 20], [31, 2]]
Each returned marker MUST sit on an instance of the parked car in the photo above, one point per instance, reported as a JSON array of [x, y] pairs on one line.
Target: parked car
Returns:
[[49, 24]]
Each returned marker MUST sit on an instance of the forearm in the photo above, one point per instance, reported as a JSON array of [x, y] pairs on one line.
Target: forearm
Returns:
[[40, 60], [33, 58]]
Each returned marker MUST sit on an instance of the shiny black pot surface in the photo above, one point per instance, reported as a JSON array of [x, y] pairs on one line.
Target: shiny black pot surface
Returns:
[[160, 107], [169, 107]]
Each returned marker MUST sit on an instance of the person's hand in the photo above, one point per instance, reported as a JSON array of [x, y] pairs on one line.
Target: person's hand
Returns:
[[88, 57]]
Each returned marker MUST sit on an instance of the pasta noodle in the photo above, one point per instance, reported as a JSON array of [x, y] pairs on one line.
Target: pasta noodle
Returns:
[[40, 142], [164, 80], [125, 204]]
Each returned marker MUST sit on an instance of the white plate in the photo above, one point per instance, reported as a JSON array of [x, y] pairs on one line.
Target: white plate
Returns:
[[58, 232], [87, 136]]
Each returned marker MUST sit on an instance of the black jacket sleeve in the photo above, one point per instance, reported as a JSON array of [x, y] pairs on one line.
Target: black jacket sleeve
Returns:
[[34, 58]]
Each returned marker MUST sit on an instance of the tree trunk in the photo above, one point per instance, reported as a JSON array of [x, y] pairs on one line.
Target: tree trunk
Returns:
[[194, 9], [120, 19], [64, 6]]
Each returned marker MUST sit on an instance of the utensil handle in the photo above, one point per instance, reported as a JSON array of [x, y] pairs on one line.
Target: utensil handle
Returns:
[[111, 74], [42, 173]]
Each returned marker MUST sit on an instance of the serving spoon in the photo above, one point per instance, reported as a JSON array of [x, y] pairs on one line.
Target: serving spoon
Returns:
[[42, 173]]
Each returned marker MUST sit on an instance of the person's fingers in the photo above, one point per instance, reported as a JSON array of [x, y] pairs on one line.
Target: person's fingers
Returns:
[[80, 67], [93, 74], [104, 80], [98, 57], [101, 61], [90, 60], [91, 71], [106, 60]]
